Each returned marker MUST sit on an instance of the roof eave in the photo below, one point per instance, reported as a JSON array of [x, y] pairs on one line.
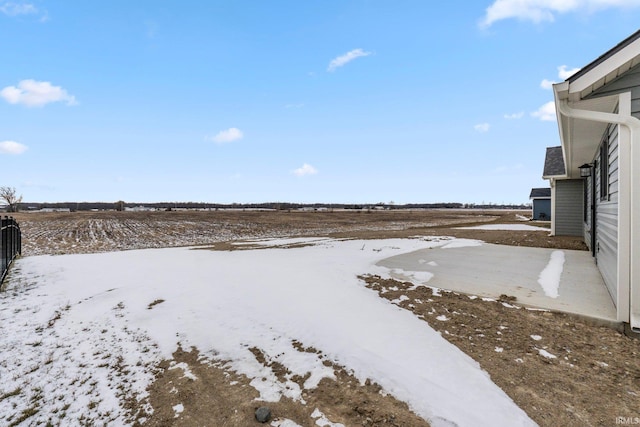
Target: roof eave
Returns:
[[550, 177], [605, 69]]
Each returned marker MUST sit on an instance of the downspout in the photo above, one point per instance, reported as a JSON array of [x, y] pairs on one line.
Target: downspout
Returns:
[[633, 125]]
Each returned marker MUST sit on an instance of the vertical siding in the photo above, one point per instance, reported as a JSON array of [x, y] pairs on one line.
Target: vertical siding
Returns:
[[569, 208], [607, 218]]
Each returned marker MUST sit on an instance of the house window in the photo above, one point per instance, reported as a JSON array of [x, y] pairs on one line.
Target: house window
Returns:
[[604, 167]]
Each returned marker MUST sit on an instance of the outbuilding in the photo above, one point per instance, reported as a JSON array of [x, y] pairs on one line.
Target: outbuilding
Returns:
[[540, 204]]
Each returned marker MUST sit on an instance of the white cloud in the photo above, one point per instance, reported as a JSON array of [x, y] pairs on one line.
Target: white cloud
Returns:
[[346, 58], [547, 84], [306, 169], [538, 11], [229, 135], [14, 9], [514, 116], [21, 8], [482, 127], [564, 74], [36, 94], [12, 147], [546, 113]]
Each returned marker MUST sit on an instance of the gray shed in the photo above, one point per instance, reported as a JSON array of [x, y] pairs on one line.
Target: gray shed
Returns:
[[541, 203]]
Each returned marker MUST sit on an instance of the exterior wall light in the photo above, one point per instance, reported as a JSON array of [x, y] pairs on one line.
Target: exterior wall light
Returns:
[[585, 170]]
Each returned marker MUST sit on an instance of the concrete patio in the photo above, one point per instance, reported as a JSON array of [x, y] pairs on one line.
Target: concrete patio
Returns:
[[492, 270]]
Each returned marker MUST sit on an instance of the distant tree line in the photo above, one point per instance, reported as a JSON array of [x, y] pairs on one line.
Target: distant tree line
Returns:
[[121, 205]]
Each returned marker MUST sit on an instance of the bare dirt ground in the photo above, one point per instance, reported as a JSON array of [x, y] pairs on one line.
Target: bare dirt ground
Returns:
[[88, 232], [561, 370]]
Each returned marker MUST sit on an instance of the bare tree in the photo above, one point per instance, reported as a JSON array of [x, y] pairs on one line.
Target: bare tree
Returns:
[[11, 198]]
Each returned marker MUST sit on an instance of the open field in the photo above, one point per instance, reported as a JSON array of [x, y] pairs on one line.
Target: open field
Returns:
[[559, 369], [89, 232]]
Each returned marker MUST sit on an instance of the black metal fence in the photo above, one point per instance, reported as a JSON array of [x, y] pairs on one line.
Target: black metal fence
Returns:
[[11, 238]]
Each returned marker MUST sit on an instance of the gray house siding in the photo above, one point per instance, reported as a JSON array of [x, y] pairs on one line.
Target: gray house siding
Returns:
[[607, 213], [569, 207], [628, 82], [589, 134]]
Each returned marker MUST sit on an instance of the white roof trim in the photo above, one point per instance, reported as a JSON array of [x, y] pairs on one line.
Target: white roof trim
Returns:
[[608, 70]]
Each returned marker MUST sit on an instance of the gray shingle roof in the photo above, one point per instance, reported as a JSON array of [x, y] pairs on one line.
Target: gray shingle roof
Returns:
[[554, 162], [539, 193]]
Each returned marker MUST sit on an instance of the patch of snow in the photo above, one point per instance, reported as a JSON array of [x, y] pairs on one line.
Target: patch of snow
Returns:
[[545, 353], [322, 420], [420, 277], [187, 372], [602, 364], [178, 409], [549, 278], [400, 299], [522, 218], [536, 337], [499, 349], [505, 227], [286, 241], [284, 423], [442, 318], [415, 277], [88, 315], [507, 305]]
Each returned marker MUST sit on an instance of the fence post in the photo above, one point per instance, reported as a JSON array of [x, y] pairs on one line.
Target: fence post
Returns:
[[3, 248], [11, 239], [19, 232], [10, 244]]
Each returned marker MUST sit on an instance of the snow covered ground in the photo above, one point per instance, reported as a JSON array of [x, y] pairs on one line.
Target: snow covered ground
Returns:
[[509, 227], [81, 333]]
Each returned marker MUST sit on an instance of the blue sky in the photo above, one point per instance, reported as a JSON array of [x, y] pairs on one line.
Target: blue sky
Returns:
[[351, 101]]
